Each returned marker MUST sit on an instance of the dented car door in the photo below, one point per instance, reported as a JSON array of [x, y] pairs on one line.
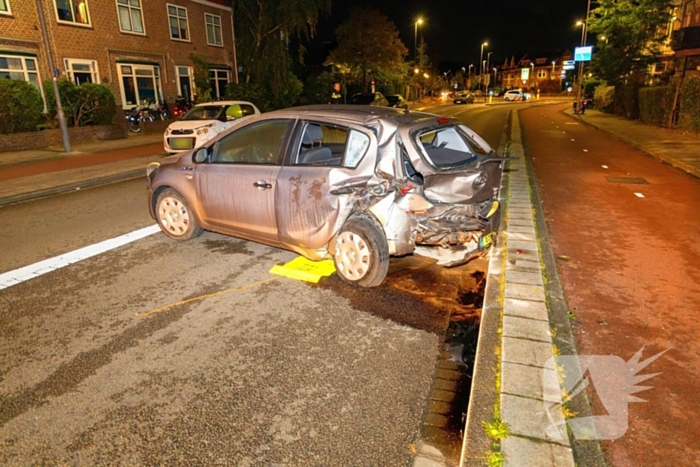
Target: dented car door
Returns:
[[324, 176]]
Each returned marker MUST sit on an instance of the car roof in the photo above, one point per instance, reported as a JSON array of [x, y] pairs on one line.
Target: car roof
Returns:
[[223, 103], [358, 114]]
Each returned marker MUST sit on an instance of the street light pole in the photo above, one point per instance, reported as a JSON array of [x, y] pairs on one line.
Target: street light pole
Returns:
[[59, 108], [584, 32], [481, 61], [415, 41]]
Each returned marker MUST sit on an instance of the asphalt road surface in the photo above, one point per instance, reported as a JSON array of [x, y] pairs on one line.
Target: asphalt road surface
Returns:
[[166, 353]]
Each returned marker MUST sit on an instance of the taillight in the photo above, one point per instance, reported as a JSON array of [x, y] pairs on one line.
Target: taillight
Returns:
[[443, 120]]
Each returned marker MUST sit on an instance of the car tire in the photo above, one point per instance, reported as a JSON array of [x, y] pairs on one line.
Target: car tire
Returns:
[[175, 217], [361, 254]]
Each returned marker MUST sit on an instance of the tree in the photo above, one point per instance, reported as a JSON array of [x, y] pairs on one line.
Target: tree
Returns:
[[202, 79], [368, 44], [629, 36], [266, 27]]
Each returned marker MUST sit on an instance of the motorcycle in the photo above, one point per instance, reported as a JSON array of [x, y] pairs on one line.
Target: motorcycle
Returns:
[[181, 107]]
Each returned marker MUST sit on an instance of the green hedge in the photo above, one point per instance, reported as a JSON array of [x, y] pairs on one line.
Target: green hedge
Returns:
[[87, 104], [655, 104], [603, 98], [690, 104], [626, 100], [20, 106]]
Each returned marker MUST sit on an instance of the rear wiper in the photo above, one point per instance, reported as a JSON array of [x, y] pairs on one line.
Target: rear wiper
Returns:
[[493, 159]]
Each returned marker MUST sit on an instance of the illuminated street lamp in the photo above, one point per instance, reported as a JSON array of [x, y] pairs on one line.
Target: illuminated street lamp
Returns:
[[481, 59], [415, 40]]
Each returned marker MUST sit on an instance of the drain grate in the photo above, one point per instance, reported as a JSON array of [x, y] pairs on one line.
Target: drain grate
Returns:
[[633, 180]]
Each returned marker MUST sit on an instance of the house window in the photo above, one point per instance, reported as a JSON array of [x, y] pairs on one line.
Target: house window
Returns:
[[82, 71], [19, 67], [177, 18], [541, 74], [5, 7], [219, 80], [130, 16], [213, 25], [72, 11], [140, 84]]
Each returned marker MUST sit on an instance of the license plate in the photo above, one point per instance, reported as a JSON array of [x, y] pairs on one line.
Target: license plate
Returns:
[[181, 143], [487, 240]]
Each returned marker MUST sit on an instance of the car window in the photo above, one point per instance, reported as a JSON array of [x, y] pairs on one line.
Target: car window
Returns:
[[258, 143], [446, 147], [330, 145]]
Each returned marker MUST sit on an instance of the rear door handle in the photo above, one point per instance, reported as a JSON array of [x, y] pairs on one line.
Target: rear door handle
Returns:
[[343, 191], [262, 185]]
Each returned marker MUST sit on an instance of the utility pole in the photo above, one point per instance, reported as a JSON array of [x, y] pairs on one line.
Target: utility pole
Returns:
[[54, 76]]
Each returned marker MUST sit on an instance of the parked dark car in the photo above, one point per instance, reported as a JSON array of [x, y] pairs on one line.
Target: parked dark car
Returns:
[[371, 98], [351, 183], [397, 101]]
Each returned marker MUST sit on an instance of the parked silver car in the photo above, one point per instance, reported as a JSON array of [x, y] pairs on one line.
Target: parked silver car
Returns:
[[352, 183]]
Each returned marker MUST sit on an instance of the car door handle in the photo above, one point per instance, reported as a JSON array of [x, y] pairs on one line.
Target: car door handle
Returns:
[[263, 185], [343, 191]]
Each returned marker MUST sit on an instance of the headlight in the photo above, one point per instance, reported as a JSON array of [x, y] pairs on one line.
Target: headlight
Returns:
[[202, 131]]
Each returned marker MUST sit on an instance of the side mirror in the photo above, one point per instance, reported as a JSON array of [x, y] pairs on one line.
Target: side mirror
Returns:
[[201, 155]]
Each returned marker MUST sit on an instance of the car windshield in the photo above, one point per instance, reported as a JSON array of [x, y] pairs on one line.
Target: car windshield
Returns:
[[448, 147], [204, 112], [392, 99]]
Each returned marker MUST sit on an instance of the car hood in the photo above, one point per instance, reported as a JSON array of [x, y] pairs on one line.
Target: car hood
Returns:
[[192, 124]]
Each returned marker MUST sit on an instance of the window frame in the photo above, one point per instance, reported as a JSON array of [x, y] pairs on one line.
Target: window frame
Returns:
[[8, 10], [220, 26], [157, 78], [187, 20], [190, 76], [214, 80], [542, 73], [129, 7], [26, 71], [74, 23], [94, 68]]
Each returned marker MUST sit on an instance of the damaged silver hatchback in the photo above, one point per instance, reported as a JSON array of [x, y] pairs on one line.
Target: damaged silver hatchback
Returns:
[[354, 183]]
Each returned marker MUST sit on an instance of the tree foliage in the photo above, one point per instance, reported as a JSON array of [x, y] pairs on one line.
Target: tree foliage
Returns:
[[368, 44], [263, 27], [87, 104], [630, 33], [20, 106], [202, 80]]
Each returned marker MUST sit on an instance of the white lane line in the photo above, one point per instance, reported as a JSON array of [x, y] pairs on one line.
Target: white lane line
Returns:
[[25, 273], [604, 166], [639, 195]]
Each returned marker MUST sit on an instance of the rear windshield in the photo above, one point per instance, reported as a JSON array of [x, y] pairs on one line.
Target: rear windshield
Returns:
[[448, 147]]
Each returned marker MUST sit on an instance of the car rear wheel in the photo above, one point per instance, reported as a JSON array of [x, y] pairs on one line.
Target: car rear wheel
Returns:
[[175, 217], [361, 253]]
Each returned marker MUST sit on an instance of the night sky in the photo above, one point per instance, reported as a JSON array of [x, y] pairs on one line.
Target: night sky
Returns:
[[455, 30]]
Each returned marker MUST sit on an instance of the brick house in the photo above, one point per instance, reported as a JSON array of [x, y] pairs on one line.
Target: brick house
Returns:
[[141, 49], [536, 70]]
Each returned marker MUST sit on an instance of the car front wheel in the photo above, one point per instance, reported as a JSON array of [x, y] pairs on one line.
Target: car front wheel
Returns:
[[175, 217], [361, 253]]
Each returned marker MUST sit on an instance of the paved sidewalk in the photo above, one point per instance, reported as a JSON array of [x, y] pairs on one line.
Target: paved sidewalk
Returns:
[[26, 175]]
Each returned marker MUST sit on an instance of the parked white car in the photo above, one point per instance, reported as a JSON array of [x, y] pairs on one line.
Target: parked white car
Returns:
[[203, 122]]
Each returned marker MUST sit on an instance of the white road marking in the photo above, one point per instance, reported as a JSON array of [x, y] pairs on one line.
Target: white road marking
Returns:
[[571, 123], [639, 195], [604, 166], [585, 150], [573, 139], [25, 273]]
